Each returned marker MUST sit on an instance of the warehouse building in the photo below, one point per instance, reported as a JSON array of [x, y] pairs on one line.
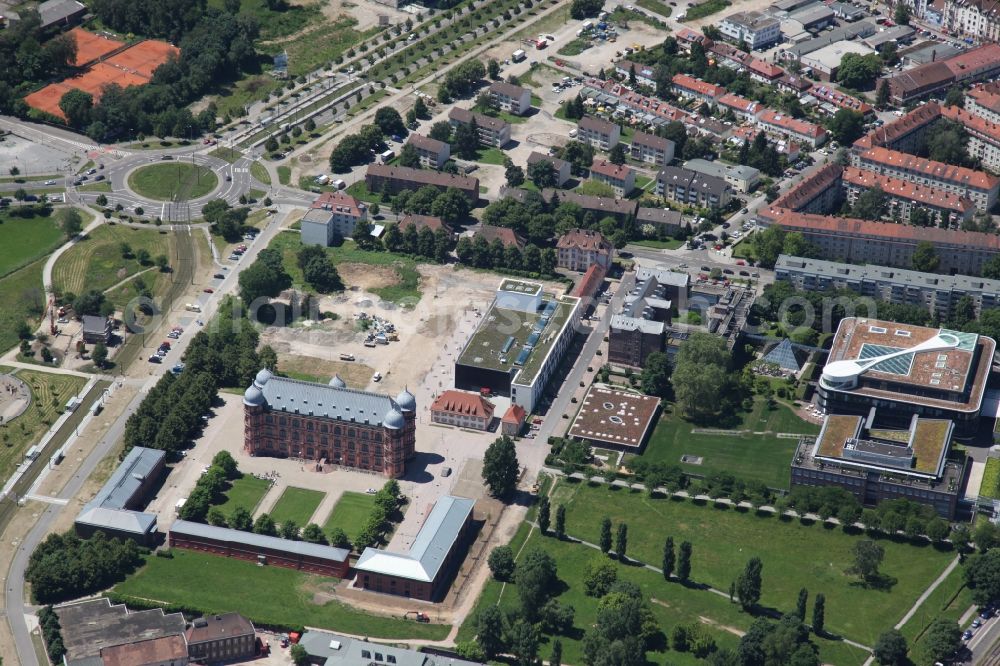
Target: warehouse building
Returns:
[[115, 509]]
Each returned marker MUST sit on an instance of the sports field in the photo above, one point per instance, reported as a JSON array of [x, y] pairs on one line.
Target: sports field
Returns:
[[297, 504], [739, 449], [795, 555], [246, 491], [265, 595], [21, 299], [24, 239], [350, 514], [173, 181]]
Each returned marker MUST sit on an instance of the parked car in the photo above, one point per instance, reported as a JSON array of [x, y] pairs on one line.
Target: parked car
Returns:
[[208, 290], [219, 276], [155, 359]]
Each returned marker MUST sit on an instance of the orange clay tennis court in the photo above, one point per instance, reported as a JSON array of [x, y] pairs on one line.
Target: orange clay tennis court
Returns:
[[132, 67], [90, 46]]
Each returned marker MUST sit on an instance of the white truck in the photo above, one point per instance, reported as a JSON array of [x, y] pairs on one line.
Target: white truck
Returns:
[[518, 55], [385, 156]]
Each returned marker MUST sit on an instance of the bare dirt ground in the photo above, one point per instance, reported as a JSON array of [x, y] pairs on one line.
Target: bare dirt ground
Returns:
[[366, 12], [366, 277]]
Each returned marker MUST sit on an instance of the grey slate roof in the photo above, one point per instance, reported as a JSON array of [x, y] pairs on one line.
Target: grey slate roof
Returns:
[[125, 482], [318, 551], [692, 180], [345, 651], [314, 399], [92, 324], [53, 11], [119, 520], [658, 216], [434, 541]]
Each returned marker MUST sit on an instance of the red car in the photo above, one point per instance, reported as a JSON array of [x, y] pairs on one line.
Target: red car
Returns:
[[165, 344], [741, 263], [208, 290]]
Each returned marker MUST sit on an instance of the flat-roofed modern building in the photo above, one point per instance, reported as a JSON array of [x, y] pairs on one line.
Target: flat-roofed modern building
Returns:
[[757, 29], [640, 328], [600, 134], [939, 294], [433, 153], [906, 370], [825, 61], [115, 509], [329, 649], [877, 464], [509, 97], [519, 343], [329, 423], [425, 570], [611, 417], [259, 548]]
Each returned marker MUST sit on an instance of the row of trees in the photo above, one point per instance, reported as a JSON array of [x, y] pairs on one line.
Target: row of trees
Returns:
[[64, 566], [433, 245], [479, 253], [388, 500], [355, 149], [170, 415], [52, 633], [768, 243], [210, 489], [450, 205], [318, 269]]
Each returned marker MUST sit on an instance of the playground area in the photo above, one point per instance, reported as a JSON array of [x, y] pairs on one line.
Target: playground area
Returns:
[[133, 66], [14, 398]]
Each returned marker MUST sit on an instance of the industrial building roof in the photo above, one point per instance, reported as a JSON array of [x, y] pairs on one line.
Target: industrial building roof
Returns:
[[125, 482], [165, 649], [92, 625], [192, 529], [340, 650], [615, 417], [436, 538]]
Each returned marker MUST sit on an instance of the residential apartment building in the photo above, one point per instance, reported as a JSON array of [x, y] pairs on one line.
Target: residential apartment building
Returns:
[[939, 294], [820, 193], [462, 409], [422, 222], [562, 168], [755, 28], [688, 86], [491, 131], [333, 216], [620, 177], [946, 209], [579, 249], [644, 74], [793, 129], [600, 134], [620, 209], [832, 100], [329, 423], [640, 328], [886, 243], [507, 236], [983, 100], [509, 97], [905, 134], [433, 153], [743, 178], [692, 188], [651, 149], [395, 179], [663, 220], [977, 64], [742, 108], [984, 136], [980, 187], [977, 19]]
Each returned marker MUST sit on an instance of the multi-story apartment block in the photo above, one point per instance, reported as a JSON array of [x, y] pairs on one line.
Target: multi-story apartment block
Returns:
[[620, 177], [562, 168], [644, 74], [743, 178], [692, 188], [641, 327], [394, 179], [939, 294], [984, 136], [983, 100], [599, 133], [491, 131], [329, 422], [433, 153], [946, 209], [980, 187], [978, 19], [509, 97], [783, 125], [819, 193], [757, 29], [651, 149], [333, 215], [968, 67], [688, 86], [905, 134], [579, 249]]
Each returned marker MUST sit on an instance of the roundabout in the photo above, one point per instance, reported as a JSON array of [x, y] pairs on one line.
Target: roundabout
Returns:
[[172, 181]]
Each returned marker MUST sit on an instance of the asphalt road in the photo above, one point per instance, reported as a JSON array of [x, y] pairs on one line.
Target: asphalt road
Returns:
[[15, 604]]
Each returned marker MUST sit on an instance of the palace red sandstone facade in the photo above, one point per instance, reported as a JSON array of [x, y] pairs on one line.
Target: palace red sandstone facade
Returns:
[[329, 423]]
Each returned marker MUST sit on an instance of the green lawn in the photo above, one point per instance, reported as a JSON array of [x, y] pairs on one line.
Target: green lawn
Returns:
[[661, 8], [350, 513], [671, 603], [103, 186], [949, 601], [749, 456], [318, 45], [490, 156], [225, 153], [235, 97], [49, 394], [991, 479], [575, 47], [265, 595], [795, 555], [25, 239], [360, 191], [283, 20], [595, 189], [406, 290], [296, 504], [96, 261], [284, 174], [246, 491], [671, 244], [174, 180], [21, 299], [259, 171], [706, 9]]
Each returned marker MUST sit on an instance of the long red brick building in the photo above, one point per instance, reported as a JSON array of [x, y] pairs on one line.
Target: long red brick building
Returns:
[[329, 423]]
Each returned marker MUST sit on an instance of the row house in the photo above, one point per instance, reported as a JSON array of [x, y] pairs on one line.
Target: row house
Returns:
[[800, 131], [395, 179], [645, 75], [688, 86]]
